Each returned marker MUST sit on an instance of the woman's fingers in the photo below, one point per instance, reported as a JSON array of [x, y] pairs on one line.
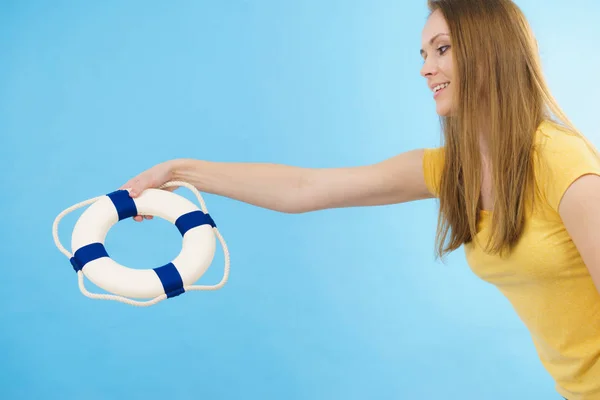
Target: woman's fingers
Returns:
[[151, 178], [137, 187], [140, 218]]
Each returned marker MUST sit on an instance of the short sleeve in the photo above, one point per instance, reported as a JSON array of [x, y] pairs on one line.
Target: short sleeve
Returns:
[[433, 165], [563, 158]]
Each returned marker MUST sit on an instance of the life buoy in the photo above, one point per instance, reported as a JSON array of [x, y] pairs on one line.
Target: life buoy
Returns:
[[90, 258]]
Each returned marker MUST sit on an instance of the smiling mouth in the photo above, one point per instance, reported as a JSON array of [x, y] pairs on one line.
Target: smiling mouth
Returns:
[[439, 88]]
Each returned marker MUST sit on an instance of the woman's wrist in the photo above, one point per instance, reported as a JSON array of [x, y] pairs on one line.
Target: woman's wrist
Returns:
[[183, 169]]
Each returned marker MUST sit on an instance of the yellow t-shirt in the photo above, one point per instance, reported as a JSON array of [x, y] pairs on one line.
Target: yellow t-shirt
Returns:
[[544, 278]]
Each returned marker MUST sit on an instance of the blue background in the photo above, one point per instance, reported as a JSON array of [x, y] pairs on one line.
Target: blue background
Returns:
[[336, 304]]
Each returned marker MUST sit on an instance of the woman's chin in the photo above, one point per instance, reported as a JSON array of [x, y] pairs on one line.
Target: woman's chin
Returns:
[[443, 112], [443, 109]]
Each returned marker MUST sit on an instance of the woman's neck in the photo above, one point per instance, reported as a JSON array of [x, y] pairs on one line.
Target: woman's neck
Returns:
[[484, 150]]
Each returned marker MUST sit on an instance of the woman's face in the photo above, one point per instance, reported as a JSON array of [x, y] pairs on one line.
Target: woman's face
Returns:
[[438, 66]]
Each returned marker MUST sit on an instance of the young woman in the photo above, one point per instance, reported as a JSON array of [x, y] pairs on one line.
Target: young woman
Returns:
[[518, 185]]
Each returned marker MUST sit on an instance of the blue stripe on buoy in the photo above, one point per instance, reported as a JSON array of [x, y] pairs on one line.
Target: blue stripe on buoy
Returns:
[[86, 254], [124, 204], [192, 220], [170, 279]]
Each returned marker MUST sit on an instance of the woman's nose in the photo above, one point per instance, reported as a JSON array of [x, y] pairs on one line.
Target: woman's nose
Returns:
[[428, 69]]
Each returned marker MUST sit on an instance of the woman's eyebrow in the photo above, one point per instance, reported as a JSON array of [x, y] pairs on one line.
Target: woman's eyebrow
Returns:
[[433, 39]]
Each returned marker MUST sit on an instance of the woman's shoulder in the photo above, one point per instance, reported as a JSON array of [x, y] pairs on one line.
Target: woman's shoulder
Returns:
[[433, 164], [555, 143], [551, 136], [561, 155]]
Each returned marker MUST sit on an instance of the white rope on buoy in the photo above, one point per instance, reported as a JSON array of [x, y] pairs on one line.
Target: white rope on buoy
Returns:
[[161, 297]]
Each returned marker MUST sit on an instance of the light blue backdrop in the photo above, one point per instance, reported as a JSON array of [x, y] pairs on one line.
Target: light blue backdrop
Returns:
[[338, 304]]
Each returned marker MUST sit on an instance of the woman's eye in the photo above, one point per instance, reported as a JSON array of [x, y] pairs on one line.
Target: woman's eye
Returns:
[[443, 49]]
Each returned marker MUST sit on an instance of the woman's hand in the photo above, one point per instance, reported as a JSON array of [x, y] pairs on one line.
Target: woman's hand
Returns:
[[151, 178]]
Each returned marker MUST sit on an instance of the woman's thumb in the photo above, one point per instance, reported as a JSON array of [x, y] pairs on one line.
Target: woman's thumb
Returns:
[[135, 191], [135, 187]]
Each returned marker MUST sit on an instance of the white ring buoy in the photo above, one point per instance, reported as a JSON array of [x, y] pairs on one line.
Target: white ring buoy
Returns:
[[91, 259]]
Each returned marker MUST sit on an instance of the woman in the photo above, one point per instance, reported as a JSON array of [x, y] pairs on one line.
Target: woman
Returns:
[[518, 186]]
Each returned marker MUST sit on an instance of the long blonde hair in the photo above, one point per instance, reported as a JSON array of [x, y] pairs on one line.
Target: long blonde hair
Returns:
[[499, 87]]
